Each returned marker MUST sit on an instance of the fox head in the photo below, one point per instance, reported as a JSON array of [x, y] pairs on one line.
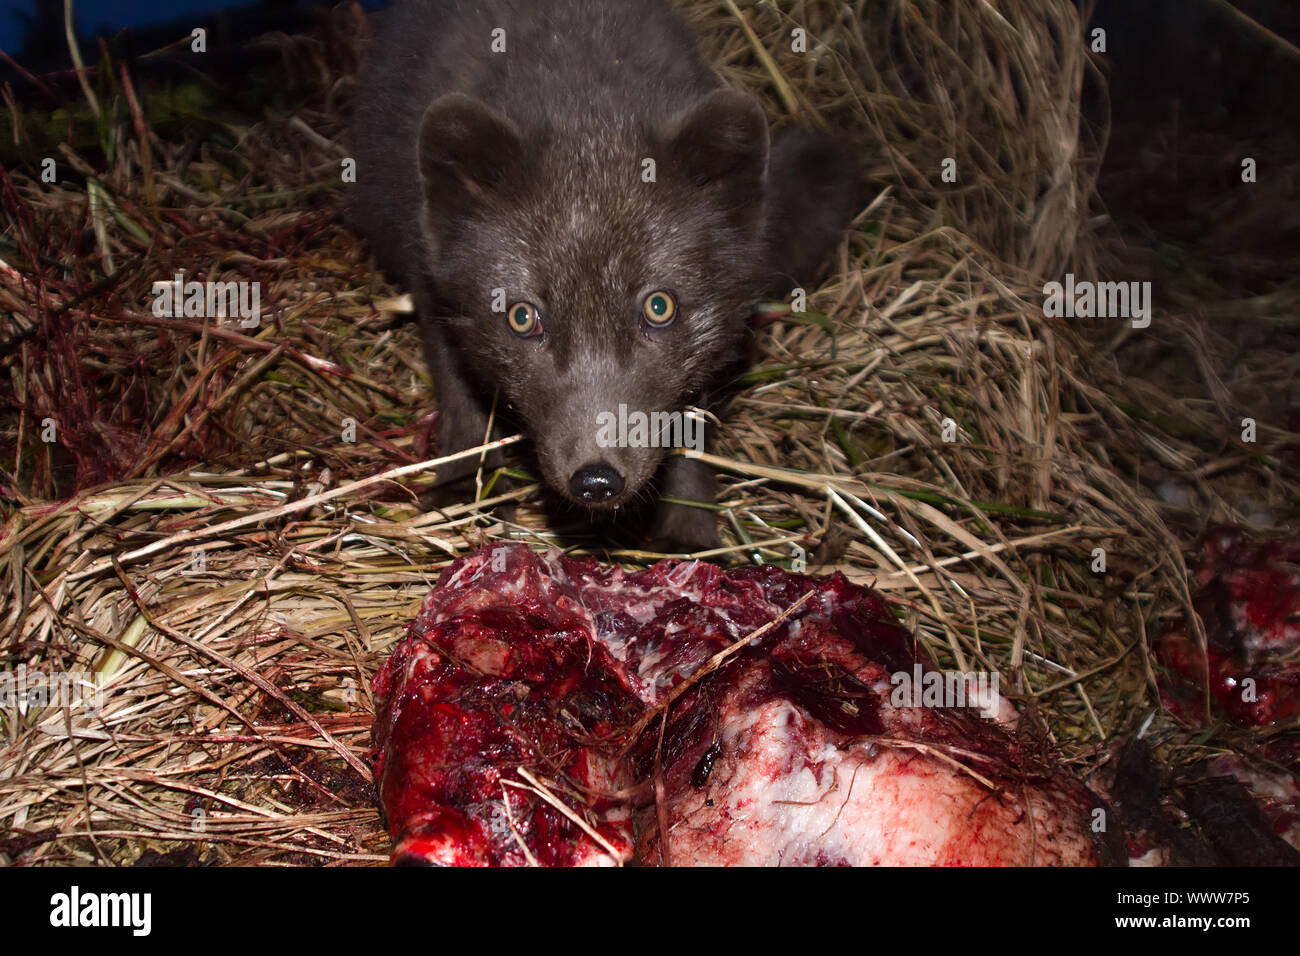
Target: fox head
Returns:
[[598, 264]]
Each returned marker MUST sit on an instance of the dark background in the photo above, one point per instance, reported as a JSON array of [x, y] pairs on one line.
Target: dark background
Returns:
[[1191, 90]]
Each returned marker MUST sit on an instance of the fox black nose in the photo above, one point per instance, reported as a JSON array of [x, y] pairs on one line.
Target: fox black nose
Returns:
[[595, 482]]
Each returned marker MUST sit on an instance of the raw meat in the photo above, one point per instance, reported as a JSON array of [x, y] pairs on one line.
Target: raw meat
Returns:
[[1221, 812], [532, 682], [500, 671], [1249, 603]]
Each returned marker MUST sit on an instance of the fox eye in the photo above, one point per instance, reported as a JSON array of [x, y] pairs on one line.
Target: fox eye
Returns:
[[524, 319], [659, 309]]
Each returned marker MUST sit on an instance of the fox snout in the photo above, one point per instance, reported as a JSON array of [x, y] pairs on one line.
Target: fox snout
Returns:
[[596, 477], [607, 458], [596, 483]]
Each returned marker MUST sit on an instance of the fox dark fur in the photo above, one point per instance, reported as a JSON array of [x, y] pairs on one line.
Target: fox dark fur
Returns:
[[525, 170]]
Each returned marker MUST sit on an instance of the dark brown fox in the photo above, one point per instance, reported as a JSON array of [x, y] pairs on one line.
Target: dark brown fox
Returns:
[[585, 217]]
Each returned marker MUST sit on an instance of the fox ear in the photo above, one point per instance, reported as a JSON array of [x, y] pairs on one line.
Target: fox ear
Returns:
[[466, 149], [722, 141]]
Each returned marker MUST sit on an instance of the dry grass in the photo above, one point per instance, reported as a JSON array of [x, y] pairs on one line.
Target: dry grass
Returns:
[[201, 539]]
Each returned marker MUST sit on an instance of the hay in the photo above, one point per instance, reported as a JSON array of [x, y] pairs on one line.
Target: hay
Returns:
[[202, 540]]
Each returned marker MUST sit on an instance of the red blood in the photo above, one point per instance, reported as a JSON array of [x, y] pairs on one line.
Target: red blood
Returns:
[[1249, 604]]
